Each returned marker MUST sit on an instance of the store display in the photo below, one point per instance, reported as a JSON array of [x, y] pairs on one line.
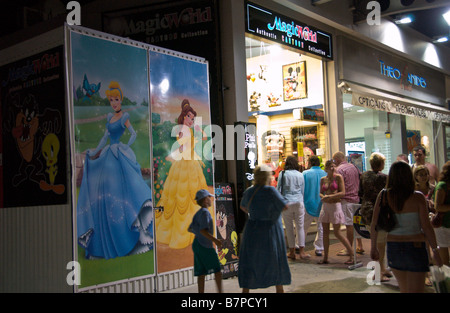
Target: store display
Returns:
[[294, 81]]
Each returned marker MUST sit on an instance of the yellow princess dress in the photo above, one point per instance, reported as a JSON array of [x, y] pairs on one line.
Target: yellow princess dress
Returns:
[[185, 178]]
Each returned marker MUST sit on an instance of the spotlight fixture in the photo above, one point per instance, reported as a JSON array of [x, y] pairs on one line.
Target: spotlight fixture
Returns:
[[446, 16], [403, 20], [440, 39]]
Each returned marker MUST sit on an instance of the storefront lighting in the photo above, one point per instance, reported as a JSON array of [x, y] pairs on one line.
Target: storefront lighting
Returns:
[[441, 39], [360, 111], [275, 49], [447, 17], [403, 20]]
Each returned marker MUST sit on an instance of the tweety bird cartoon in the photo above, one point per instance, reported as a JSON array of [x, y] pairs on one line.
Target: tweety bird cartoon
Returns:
[[50, 150]]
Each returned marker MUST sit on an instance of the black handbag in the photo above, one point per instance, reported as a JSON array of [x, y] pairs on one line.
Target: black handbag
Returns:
[[282, 184], [386, 217]]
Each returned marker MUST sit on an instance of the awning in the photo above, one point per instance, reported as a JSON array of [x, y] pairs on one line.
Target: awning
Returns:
[[377, 100]]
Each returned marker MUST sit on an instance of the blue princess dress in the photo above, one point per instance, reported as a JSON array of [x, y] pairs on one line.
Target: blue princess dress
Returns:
[[262, 259], [114, 209]]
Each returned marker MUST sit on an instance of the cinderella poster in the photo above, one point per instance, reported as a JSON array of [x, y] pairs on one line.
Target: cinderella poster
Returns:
[[110, 136], [182, 152]]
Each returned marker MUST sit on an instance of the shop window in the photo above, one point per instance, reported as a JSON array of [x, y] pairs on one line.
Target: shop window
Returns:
[[368, 131], [280, 81]]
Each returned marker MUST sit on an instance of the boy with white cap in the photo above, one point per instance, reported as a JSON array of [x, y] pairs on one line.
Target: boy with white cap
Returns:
[[206, 260]]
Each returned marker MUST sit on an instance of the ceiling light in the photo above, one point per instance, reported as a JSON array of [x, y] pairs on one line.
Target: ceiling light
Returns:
[[360, 110], [403, 20], [447, 17], [441, 39]]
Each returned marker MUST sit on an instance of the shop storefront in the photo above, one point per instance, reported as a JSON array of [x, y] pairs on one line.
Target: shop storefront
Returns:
[[285, 85], [390, 105]]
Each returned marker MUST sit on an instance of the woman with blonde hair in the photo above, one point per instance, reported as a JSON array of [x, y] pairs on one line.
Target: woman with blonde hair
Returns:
[[370, 185], [332, 189], [262, 257]]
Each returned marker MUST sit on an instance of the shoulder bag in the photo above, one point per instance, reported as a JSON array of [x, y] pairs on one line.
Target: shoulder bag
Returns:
[[386, 217], [282, 184]]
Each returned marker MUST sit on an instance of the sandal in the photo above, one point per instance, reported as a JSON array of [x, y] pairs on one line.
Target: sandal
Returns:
[[385, 279], [349, 262], [323, 262], [360, 251], [306, 256], [343, 252]]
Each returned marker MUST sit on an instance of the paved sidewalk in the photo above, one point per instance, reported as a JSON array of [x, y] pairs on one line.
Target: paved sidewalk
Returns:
[[310, 277]]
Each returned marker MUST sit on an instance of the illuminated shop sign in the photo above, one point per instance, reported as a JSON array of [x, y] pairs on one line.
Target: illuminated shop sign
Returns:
[[266, 24], [406, 79]]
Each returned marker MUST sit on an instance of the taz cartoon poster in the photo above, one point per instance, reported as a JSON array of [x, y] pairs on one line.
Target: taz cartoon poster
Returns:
[[110, 135], [226, 229], [182, 152], [34, 140]]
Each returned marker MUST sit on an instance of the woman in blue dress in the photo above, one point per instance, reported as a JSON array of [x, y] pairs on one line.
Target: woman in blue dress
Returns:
[[262, 259], [114, 208]]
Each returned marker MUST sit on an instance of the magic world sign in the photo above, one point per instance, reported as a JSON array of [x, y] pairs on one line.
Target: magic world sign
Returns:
[[269, 25]]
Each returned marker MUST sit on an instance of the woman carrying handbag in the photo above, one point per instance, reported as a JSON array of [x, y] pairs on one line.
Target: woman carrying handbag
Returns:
[[291, 185], [406, 251]]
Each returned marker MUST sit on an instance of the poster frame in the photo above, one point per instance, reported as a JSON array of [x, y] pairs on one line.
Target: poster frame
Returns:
[[68, 30]]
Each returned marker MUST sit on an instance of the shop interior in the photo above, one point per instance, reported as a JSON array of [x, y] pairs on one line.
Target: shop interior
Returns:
[[286, 95], [368, 131]]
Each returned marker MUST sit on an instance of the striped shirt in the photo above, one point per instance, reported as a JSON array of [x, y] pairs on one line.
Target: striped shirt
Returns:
[[350, 173]]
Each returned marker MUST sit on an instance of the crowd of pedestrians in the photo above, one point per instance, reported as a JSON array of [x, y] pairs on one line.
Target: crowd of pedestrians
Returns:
[[417, 196]]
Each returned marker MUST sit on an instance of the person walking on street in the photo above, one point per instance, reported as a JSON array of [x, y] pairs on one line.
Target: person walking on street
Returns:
[[206, 260], [312, 201], [370, 185], [262, 258], [419, 157], [291, 185], [442, 206], [406, 251], [332, 189], [350, 173]]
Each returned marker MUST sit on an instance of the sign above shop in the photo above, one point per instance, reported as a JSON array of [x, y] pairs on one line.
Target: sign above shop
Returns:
[[379, 69], [391, 106], [407, 80], [270, 25]]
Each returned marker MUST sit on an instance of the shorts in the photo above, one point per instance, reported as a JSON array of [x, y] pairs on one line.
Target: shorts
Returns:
[[206, 260], [349, 210], [407, 256]]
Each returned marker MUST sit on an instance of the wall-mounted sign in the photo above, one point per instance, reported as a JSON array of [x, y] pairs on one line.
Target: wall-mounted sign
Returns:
[[313, 115], [398, 108], [270, 25], [369, 66], [407, 79]]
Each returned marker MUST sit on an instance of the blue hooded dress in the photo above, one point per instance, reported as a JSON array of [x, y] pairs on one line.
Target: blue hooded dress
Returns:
[[114, 208]]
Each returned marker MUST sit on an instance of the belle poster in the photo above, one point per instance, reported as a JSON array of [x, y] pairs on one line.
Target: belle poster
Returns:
[[182, 153], [111, 142]]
